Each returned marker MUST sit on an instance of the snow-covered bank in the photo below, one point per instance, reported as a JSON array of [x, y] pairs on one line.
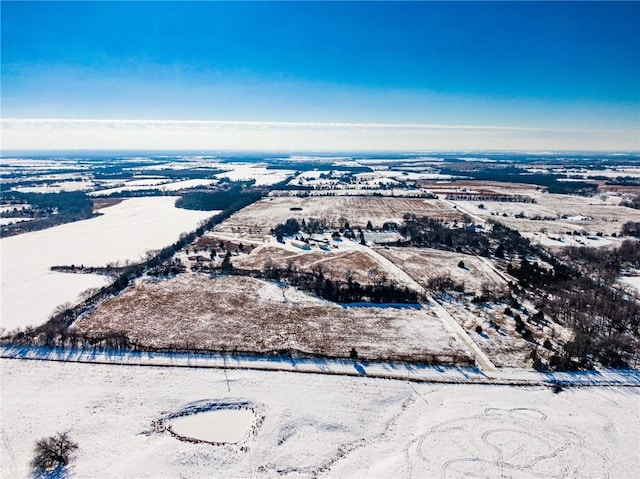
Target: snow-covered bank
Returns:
[[341, 367], [30, 291], [329, 426]]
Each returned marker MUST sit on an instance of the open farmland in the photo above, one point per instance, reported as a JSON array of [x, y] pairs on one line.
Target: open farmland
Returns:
[[552, 213], [316, 425], [124, 232], [258, 219], [244, 314]]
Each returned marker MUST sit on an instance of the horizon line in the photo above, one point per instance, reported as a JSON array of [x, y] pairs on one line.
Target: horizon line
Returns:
[[287, 124]]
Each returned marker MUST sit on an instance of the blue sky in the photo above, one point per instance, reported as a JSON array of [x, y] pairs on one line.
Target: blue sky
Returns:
[[539, 66]]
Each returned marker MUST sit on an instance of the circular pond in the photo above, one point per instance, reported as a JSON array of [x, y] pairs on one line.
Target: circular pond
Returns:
[[216, 425]]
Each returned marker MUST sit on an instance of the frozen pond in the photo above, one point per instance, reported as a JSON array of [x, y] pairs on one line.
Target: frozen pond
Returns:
[[218, 425]]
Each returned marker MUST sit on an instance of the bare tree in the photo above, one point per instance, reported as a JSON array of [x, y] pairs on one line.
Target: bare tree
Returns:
[[53, 453]]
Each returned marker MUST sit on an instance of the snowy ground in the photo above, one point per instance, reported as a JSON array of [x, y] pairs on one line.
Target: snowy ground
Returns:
[[564, 240], [57, 187], [327, 426], [155, 184], [30, 291], [258, 172], [10, 221], [428, 263], [633, 281]]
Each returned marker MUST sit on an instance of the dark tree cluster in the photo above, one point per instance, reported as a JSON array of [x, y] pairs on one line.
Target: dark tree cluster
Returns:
[[168, 268], [532, 275], [632, 203], [288, 228], [606, 264], [605, 320], [52, 455], [433, 233], [631, 228], [216, 200], [350, 291]]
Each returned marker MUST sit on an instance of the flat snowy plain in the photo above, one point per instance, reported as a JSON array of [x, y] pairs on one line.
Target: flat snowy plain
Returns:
[[316, 425], [30, 290]]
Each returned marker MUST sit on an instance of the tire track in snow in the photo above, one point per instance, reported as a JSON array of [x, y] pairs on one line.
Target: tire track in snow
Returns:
[[559, 451], [12, 457]]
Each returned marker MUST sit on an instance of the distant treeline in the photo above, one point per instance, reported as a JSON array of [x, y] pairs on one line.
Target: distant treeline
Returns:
[[216, 200], [49, 209], [65, 203], [314, 165], [490, 197], [512, 174]]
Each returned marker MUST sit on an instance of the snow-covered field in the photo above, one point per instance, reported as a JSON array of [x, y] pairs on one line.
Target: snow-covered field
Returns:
[[564, 240], [10, 221], [343, 258], [260, 217], [155, 184], [315, 425], [237, 313], [556, 214], [262, 175], [30, 291], [57, 187]]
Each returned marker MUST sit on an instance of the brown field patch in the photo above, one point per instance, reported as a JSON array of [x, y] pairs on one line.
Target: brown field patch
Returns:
[[99, 203], [245, 314], [335, 265]]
